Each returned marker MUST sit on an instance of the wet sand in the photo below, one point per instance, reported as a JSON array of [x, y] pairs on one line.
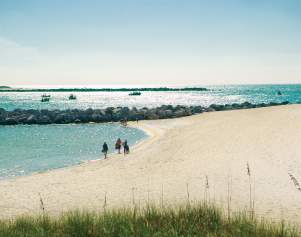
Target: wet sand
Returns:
[[174, 162]]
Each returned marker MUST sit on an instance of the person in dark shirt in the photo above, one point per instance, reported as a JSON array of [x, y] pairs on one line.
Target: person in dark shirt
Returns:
[[105, 149], [118, 145], [126, 148]]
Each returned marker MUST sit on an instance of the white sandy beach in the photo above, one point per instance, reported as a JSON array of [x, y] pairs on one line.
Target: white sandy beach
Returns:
[[177, 156]]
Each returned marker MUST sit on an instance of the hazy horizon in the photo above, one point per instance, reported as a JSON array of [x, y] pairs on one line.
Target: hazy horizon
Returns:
[[48, 43]]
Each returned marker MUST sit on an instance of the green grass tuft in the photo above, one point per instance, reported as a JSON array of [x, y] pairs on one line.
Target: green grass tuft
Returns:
[[199, 220]]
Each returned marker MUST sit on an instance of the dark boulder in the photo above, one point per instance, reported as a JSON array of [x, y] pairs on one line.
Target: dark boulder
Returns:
[[151, 115], [180, 113], [2, 111], [60, 119], [97, 117], [44, 120], [196, 109], [217, 107], [10, 121]]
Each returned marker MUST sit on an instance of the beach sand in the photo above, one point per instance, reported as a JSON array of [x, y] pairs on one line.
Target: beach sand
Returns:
[[174, 162]]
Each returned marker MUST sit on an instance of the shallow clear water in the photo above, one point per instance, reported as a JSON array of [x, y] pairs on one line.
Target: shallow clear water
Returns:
[[28, 149], [216, 95]]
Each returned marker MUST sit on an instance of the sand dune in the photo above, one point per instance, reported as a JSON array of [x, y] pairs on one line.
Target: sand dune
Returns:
[[176, 158]]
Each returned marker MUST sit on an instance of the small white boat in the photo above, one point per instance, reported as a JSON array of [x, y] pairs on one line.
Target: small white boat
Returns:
[[45, 98]]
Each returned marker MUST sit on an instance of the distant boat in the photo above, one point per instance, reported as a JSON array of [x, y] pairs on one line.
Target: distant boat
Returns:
[[45, 98], [72, 97], [135, 93]]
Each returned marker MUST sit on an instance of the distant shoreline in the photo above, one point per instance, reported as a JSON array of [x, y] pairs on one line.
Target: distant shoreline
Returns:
[[9, 89]]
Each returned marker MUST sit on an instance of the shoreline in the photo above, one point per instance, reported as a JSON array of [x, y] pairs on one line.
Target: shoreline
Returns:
[[177, 155], [82, 162]]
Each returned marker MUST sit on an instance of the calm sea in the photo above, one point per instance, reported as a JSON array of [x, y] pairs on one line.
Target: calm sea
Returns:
[[28, 149], [215, 95]]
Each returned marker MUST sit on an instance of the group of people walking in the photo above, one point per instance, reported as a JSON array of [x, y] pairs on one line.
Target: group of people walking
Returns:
[[118, 146]]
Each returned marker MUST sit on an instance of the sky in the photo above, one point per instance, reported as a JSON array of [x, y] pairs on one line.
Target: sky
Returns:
[[164, 42]]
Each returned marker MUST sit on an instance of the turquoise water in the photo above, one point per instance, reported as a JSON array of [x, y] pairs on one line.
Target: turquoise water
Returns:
[[215, 95], [28, 149]]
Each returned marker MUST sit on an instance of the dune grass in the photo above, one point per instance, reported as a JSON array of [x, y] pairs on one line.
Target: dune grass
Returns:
[[198, 220]]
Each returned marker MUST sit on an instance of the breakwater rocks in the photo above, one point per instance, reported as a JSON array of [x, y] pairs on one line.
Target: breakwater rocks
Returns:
[[109, 114]]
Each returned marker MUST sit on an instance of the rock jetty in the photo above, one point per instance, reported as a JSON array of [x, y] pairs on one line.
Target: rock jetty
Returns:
[[111, 114]]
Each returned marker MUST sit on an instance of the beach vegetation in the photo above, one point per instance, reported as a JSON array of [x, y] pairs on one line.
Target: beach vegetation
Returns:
[[188, 220]]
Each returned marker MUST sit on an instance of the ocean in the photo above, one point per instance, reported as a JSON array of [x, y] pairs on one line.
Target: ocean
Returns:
[[26, 149], [215, 95]]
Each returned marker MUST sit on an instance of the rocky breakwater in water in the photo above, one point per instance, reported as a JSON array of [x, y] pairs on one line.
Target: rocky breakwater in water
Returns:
[[20, 116]]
